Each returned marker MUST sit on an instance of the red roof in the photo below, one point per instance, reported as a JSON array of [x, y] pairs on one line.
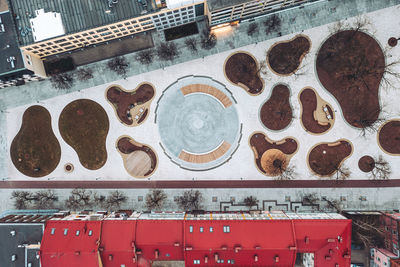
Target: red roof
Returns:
[[241, 241], [166, 236], [329, 240], [117, 243], [198, 242], [63, 246]]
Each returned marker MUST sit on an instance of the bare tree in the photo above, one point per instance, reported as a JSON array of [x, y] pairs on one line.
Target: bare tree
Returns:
[[191, 44], [22, 199], [342, 172], [366, 230], [79, 199], [262, 67], [333, 205], [119, 65], [145, 57], [62, 81], [272, 24], [155, 199], [311, 199], [115, 199], [99, 200], [250, 201], [362, 23], [369, 121], [190, 200], [167, 51], [252, 29], [84, 74], [286, 172], [381, 170], [208, 40], [45, 199]]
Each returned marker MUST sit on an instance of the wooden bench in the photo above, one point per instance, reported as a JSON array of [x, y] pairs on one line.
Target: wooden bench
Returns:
[[204, 158], [207, 89]]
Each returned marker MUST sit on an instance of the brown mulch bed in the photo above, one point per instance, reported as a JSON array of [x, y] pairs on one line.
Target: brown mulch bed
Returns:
[[350, 66], [84, 126], [124, 101], [285, 57], [35, 150], [308, 101], [242, 68], [366, 163], [276, 113], [125, 146], [392, 41], [389, 137], [327, 163], [258, 141]]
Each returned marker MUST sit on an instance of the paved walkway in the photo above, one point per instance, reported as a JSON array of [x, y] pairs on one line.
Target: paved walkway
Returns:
[[202, 184]]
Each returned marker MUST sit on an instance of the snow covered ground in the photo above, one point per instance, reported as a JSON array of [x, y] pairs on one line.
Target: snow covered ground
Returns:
[[385, 24]]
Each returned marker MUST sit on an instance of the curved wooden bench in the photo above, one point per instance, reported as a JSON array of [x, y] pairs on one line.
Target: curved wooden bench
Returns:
[[204, 158], [207, 89]]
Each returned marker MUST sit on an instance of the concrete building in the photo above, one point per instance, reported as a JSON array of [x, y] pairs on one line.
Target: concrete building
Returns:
[[78, 25], [20, 235], [381, 257], [209, 239], [11, 63], [390, 226], [221, 12]]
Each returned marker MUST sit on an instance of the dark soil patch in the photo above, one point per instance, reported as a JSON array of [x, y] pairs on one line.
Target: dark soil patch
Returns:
[[392, 41], [276, 113], [84, 126], [181, 31], [350, 66], [258, 140], [59, 65], [125, 146], [308, 101], [241, 68], [389, 137], [366, 163], [285, 58], [123, 101], [35, 150], [325, 159]]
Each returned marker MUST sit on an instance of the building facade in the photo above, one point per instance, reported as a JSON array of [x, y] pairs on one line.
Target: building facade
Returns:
[[221, 12], [390, 226], [209, 239], [88, 25], [381, 257]]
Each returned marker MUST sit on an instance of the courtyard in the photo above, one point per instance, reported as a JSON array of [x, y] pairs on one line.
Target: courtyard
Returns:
[[191, 139]]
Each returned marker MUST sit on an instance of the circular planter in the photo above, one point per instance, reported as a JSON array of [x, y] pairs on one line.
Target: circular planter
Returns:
[[366, 163], [392, 41], [69, 167]]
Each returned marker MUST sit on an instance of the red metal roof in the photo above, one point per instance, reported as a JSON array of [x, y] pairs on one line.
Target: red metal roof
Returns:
[[205, 242], [329, 240], [166, 236], [117, 243], [65, 247], [245, 239]]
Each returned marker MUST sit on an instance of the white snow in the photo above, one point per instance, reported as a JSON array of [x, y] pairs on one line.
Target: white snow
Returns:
[[385, 24]]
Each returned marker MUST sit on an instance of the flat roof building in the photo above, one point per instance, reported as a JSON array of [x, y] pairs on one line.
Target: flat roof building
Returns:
[[20, 235], [210, 239], [10, 57]]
